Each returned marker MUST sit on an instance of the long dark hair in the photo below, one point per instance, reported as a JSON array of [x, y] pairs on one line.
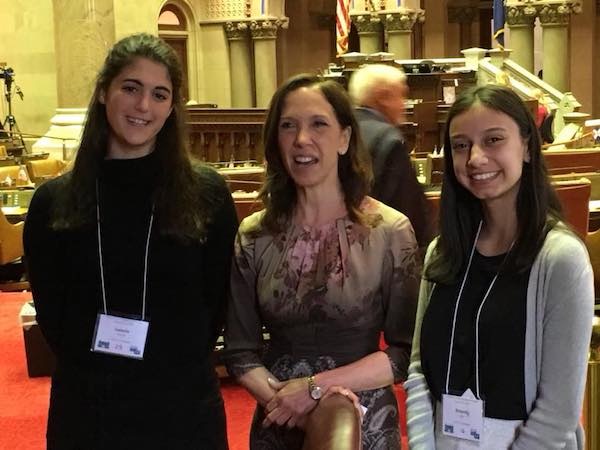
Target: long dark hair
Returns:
[[183, 206], [538, 208], [278, 193]]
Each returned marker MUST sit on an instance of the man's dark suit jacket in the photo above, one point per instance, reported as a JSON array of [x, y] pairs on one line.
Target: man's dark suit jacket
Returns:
[[395, 181]]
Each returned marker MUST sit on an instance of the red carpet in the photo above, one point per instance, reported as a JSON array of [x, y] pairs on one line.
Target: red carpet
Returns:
[[24, 400]]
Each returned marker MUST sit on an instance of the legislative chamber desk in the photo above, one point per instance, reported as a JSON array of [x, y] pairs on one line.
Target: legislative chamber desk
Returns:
[[15, 201]]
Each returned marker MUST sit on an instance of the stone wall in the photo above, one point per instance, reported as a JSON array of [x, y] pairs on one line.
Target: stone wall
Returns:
[[27, 45]]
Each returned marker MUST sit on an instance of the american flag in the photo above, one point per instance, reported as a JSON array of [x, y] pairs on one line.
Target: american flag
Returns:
[[342, 26]]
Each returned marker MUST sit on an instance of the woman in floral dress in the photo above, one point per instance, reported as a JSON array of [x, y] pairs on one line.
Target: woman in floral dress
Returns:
[[325, 269]]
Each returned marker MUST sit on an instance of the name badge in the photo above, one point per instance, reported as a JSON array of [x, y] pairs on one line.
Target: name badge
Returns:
[[462, 416], [120, 336]]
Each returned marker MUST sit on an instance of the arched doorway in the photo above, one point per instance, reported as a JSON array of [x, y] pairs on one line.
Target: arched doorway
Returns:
[[173, 28]]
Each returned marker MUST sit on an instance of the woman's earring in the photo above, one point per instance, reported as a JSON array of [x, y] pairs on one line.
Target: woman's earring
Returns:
[[342, 151]]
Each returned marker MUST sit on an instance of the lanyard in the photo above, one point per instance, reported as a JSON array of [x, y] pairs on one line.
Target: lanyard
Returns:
[[485, 297], [144, 286]]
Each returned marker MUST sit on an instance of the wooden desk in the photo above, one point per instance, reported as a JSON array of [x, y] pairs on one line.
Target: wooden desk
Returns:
[[14, 211], [246, 203], [248, 179], [14, 214], [14, 197]]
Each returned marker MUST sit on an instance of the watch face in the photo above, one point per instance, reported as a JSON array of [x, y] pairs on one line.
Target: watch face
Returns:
[[316, 393]]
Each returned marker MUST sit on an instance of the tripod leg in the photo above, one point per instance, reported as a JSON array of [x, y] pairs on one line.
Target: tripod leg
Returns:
[[16, 127]]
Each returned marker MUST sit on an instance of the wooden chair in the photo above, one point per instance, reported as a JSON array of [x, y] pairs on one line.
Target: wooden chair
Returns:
[[333, 425], [12, 268], [433, 213], [574, 196]]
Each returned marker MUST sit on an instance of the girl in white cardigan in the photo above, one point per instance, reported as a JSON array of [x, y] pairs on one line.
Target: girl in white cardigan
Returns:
[[506, 302]]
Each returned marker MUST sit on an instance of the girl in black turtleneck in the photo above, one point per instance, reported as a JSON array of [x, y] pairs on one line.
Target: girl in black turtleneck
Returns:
[[128, 257]]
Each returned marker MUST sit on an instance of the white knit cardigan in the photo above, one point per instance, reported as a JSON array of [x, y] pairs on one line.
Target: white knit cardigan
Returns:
[[560, 308]]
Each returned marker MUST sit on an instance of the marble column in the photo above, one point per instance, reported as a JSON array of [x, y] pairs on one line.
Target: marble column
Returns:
[[87, 31], [264, 35], [370, 32], [464, 17], [555, 18], [435, 28], [240, 64], [520, 19], [399, 25]]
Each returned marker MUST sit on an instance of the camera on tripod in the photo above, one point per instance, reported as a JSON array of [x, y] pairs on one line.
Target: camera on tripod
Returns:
[[8, 74]]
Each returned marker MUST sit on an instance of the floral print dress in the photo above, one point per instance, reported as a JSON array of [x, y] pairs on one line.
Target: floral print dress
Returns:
[[324, 295]]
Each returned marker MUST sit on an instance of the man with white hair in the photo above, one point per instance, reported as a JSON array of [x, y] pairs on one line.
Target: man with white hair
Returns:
[[379, 92]]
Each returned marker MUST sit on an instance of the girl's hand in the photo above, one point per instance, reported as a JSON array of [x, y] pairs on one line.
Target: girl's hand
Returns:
[[349, 394]]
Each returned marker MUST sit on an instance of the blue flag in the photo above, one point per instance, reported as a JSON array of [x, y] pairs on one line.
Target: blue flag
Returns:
[[499, 21]]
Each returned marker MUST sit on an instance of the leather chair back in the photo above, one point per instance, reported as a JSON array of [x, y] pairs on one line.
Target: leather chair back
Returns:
[[574, 196], [44, 169]]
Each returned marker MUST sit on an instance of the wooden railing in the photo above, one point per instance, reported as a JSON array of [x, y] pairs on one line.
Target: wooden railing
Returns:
[[226, 136], [233, 137]]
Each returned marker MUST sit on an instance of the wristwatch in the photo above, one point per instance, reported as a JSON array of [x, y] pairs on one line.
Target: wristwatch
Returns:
[[315, 391]]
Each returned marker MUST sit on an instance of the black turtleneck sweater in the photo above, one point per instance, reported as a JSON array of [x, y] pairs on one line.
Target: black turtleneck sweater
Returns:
[[108, 395]]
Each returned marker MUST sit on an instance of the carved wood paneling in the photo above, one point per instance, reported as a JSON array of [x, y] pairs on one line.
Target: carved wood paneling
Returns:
[[220, 136]]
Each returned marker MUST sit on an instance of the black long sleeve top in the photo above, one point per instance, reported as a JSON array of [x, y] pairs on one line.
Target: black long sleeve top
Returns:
[[502, 338], [185, 298]]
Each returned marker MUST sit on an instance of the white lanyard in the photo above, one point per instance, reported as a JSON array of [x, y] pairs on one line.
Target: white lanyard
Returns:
[[102, 260], [487, 293]]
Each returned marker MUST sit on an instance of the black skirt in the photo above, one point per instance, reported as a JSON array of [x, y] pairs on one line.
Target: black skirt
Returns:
[[175, 411]]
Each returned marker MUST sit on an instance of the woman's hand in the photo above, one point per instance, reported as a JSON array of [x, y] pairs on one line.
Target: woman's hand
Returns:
[[290, 405]]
